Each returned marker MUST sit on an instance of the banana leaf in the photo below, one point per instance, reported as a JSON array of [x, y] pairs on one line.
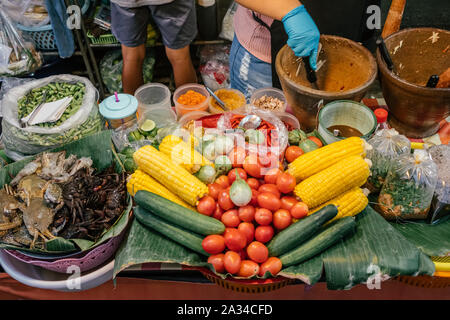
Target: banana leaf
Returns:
[[348, 263], [99, 148], [433, 240]]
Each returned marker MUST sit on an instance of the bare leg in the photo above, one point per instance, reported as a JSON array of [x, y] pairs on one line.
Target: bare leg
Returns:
[[133, 60], [183, 69]]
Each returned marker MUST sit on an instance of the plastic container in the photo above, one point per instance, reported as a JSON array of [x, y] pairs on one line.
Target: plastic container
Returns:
[[270, 92], [153, 96], [346, 113], [119, 111], [183, 109], [194, 115], [219, 93], [289, 119]]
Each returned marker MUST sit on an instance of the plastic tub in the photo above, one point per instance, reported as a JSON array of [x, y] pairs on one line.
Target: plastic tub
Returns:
[[290, 119], [220, 94], [348, 113], [270, 92], [194, 115], [119, 111], [152, 96], [183, 109]]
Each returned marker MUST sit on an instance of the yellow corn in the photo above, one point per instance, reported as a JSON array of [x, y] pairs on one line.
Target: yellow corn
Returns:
[[183, 154], [348, 173], [139, 180], [315, 161], [174, 177], [349, 203]]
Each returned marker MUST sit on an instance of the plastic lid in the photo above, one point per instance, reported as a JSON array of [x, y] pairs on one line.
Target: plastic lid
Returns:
[[125, 107], [381, 115]]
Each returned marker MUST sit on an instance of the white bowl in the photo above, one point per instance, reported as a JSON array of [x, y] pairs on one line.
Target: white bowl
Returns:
[[44, 279]]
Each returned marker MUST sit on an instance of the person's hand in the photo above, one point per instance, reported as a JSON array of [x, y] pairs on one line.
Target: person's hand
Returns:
[[303, 34]]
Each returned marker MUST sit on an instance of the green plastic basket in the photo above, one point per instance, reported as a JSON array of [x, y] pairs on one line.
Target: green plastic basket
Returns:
[[103, 39]]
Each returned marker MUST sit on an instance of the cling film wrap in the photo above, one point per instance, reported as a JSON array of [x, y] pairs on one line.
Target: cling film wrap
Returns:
[[387, 145], [34, 139], [409, 187]]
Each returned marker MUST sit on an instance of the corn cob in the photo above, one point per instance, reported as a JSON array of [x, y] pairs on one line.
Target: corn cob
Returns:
[[315, 161], [348, 173], [183, 154], [139, 180], [349, 203], [174, 177]]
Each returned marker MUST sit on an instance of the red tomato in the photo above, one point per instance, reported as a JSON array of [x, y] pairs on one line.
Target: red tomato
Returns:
[[282, 219], [237, 157], [235, 240], [224, 200], [273, 265], [217, 262], [257, 252], [288, 202], [292, 153], [263, 216], [253, 183], [248, 269], [271, 188], [232, 262], [316, 141], [268, 160], [232, 175], [252, 167], [223, 181], [217, 214], [269, 201], [213, 244], [247, 213], [214, 189], [264, 233], [206, 205], [299, 210], [230, 218], [286, 182], [254, 201], [248, 229], [272, 175]]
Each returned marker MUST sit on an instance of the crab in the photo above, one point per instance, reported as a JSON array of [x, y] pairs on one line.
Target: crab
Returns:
[[9, 217]]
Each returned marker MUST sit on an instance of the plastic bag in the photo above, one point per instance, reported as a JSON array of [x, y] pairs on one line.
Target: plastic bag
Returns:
[[409, 187], [440, 206], [6, 84], [30, 13], [111, 69], [227, 31], [387, 145], [16, 56], [214, 66], [34, 139]]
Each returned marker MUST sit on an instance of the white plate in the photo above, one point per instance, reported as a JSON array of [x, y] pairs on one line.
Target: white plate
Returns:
[[44, 279]]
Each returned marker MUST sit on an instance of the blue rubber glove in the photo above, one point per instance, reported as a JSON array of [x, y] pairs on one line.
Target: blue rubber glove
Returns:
[[303, 34]]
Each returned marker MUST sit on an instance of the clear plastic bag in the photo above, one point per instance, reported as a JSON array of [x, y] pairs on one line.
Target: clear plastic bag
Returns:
[[227, 31], [34, 139], [409, 187], [30, 13], [214, 66], [8, 83], [16, 56], [387, 146], [440, 206]]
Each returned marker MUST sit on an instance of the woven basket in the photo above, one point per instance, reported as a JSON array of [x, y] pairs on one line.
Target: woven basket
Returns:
[[43, 37], [246, 285]]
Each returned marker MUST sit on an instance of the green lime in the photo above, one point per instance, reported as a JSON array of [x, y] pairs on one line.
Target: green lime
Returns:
[[148, 125]]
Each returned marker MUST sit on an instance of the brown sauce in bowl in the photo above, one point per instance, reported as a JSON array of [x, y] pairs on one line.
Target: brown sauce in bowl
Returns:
[[345, 131]]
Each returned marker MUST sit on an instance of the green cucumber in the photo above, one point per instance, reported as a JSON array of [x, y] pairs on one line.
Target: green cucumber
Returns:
[[179, 215], [322, 241], [299, 232], [185, 238]]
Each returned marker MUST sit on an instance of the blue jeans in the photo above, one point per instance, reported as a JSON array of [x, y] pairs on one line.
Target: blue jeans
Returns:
[[248, 73]]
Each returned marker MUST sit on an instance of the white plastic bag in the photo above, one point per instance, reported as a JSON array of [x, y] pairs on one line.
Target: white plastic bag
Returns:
[[227, 31], [214, 66], [30, 13]]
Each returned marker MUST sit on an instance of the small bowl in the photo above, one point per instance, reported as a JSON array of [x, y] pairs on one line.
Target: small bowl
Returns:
[[194, 115], [347, 113], [288, 118], [270, 92], [214, 110], [183, 109]]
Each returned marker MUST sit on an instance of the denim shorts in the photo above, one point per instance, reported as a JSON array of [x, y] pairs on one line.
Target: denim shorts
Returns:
[[177, 22], [248, 73]]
